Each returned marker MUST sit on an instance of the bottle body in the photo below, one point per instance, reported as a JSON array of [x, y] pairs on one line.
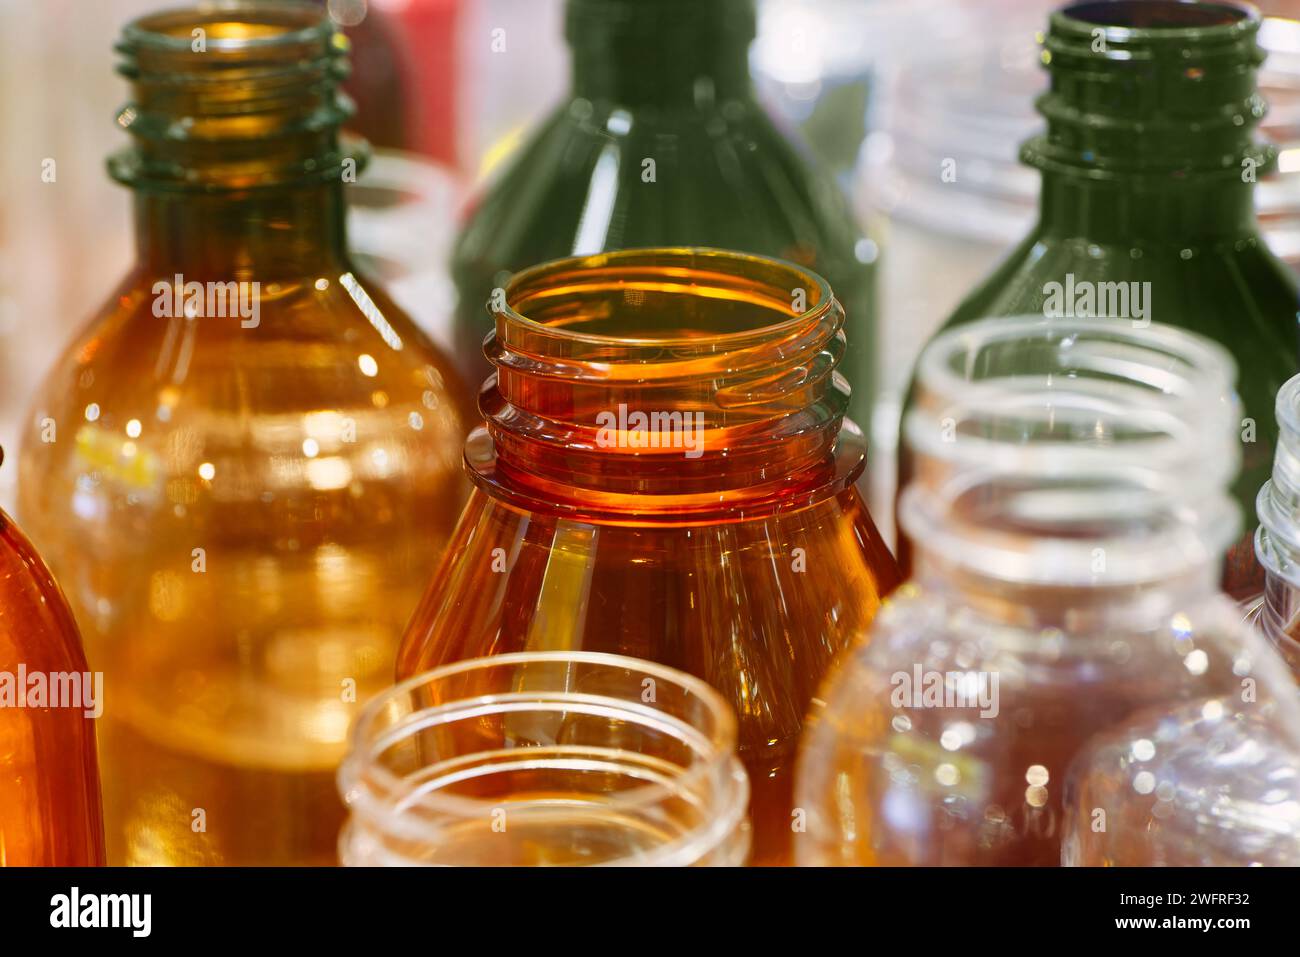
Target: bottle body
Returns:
[[744, 556], [664, 144], [244, 466], [49, 776]]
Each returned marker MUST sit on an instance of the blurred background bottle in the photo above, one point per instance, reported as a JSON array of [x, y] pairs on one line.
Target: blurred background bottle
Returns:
[[724, 536], [241, 501], [49, 776], [662, 143], [1069, 513]]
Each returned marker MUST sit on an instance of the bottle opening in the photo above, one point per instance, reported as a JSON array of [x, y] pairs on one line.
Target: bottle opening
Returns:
[[546, 758], [234, 95], [1040, 444], [1157, 14], [666, 297], [668, 378]]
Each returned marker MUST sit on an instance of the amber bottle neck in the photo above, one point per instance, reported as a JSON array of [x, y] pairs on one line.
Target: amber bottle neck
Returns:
[[662, 382], [262, 235]]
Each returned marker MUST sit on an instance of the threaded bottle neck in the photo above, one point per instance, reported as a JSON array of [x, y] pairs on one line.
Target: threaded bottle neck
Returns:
[[232, 97], [1086, 457], [667, 382], [1157, 91], [237, 160], [668, 53]]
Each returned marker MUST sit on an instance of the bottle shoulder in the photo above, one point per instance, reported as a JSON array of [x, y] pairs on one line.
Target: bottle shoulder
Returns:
[[597, 177], [39, 630], [1193, 286]]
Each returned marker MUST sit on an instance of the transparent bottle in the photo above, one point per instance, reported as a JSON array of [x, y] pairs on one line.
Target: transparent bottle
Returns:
[[1149, 164], [1069, 512], [546, 759], [1201, 786], [49, 778], [662, 142], [243, 468], [663, 474], [1277, 542]]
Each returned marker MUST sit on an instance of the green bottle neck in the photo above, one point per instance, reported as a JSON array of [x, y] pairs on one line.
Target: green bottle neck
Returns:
[[1151, 117], [660, 53], [262, 235]]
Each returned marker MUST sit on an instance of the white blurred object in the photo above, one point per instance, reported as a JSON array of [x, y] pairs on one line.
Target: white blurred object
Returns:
[[66, 240], [401, 225]]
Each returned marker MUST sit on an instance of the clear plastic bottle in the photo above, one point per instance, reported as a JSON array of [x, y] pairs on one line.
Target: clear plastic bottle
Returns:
[[243, 468], [546, 759], [1277, 542], [1070, 512]]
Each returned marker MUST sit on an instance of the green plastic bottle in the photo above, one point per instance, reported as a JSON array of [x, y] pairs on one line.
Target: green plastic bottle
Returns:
[[662, 143], [1148, 165]]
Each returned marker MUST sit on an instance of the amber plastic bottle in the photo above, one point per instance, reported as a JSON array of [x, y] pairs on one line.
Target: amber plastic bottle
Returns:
[[242, 503], [728, 542], [49, 778]]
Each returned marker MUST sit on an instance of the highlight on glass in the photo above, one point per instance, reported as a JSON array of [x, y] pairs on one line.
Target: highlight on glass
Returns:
[[546, 759]]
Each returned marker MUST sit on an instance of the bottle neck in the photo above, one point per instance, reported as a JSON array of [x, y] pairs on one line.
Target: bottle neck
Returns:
[[666, 383], [1151, 117], [236, 158], [660, 53], [260, 235], [1127, 212]]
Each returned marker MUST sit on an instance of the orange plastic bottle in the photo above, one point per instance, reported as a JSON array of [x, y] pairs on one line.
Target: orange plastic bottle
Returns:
[[663, 474], [242, 469], [49, 777]]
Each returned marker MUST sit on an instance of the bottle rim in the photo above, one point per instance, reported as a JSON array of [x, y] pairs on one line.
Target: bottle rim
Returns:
[[1239, 17], [1097, 434], [381, 798], [673, 263], [303, 23]]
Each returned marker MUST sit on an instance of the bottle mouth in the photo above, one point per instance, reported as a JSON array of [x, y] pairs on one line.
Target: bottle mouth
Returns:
[[1073, 451], [687, 299], [233, 95], [1163, 18], [636, 761], [668, 379]]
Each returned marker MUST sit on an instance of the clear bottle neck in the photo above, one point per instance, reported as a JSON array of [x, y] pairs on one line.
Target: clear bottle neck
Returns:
[[1277, 541], [1071, 470], [660, 53], [582, 744]]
